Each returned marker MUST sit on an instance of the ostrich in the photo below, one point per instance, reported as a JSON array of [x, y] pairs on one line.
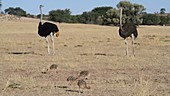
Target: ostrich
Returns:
[[71, 79], [83, 75], [53, 66], [128, 30], [47, 29], [82, 84]]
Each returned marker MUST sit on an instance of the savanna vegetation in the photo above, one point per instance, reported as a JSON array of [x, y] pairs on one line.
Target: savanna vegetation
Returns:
[[105, 15]]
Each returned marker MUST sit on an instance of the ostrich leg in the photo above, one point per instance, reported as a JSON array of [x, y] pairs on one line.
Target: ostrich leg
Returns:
[[79, 91], [48, 45], [126, 44], [52, 40], [133, 40]]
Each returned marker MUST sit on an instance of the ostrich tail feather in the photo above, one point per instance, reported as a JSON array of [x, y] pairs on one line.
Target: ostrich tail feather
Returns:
[[57, 34]]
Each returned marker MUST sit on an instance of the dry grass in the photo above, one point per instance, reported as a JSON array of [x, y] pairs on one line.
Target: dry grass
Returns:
[[99, 49]]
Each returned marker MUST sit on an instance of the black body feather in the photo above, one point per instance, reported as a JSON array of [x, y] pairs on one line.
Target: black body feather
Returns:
[[45, 29], [127, 29]]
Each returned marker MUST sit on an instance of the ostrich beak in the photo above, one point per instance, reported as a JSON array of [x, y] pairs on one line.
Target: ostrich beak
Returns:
[[41, 5]]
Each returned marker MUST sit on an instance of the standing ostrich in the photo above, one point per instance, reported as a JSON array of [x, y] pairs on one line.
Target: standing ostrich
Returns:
[[47, 29], [128, 30]]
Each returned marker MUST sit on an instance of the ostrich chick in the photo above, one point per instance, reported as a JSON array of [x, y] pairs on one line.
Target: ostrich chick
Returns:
[[82, 84], [53, 66], [83, 75], [71, 80]]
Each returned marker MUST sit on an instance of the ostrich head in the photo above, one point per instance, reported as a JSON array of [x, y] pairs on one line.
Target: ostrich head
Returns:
[[41, 6]]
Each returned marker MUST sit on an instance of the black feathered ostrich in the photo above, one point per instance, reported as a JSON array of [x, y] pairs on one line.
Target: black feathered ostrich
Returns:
[[128, 30], [46, 29]]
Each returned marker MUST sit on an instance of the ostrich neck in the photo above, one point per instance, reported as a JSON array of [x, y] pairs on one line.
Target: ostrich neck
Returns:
[[121, 17], [41, 15]]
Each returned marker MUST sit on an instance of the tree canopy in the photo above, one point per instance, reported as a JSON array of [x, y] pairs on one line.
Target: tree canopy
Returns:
[[15, 11], [60, 15], [151, 19], [162, 11], [131, 10]]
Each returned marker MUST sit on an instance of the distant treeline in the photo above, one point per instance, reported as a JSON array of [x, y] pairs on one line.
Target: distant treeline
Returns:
[[103, 15]]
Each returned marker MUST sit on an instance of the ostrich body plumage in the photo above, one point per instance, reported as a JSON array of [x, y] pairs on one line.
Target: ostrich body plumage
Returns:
[[127, 30], [46, 28]]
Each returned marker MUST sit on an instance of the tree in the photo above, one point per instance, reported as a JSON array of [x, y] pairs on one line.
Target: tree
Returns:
[[111, 17], [74, 18], [168, 19], [162, 11], [131, 10], [151, 19], [15, 11], [164, 20], [60, 15], [94, 16], [101, 10], [89, 17], [98, 11]]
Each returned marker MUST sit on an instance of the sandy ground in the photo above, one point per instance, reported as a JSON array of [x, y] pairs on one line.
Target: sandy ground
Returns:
[[98, 49]]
